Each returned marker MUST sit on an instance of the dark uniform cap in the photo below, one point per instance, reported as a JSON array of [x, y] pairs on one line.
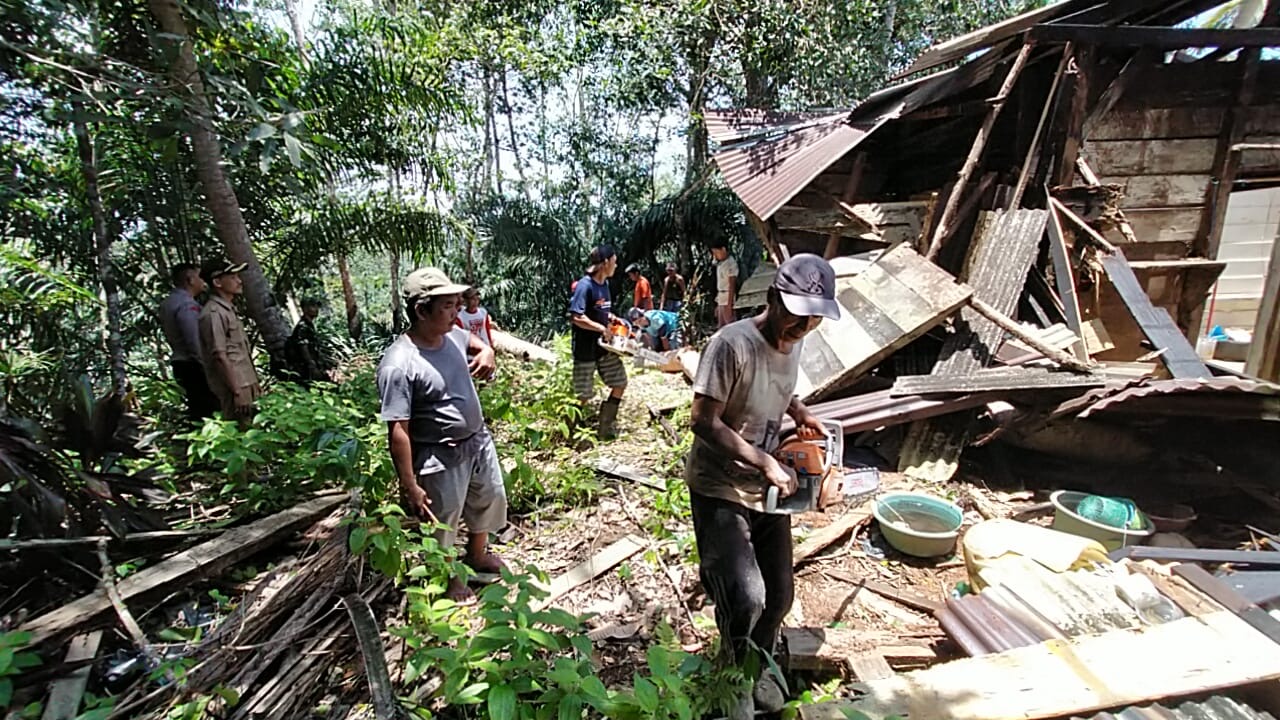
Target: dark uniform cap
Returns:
[[807, 284], [219, 267]]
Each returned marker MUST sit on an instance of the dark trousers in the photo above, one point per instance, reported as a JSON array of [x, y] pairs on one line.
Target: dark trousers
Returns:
[[745, 564], [201, 402]]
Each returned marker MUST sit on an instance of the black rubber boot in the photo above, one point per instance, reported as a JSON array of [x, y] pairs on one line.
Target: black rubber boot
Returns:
[[609, 418]]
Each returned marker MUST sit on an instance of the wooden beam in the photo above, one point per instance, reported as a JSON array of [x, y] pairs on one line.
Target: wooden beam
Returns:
[[1009, 325], [1028, 164], [987, 379], [1089, 233], [1264, 351], [975, 152], [1164, 38], [1179, 356], [1072, 124], [850, 192], [203, 560], [1065, 280], [1077, 676]]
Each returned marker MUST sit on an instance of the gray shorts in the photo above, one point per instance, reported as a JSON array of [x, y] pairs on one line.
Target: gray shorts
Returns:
[[610, 367], [469, 488]]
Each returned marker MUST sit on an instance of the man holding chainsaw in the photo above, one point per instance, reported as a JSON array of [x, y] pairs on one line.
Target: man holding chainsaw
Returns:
[[745, 382]]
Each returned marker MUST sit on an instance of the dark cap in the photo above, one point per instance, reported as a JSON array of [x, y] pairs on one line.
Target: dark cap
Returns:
[[633, 268], [807, 284], [429, 282], [219, 267], [598, 257], [312, 301]]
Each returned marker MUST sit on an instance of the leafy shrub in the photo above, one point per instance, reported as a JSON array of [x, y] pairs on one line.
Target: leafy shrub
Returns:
[[300, 440]]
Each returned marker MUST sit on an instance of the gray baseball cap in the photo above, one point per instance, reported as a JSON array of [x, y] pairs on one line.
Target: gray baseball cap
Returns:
[[807, 284]]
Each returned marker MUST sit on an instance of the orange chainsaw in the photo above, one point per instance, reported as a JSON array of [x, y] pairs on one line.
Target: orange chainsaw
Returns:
[[817, 465]]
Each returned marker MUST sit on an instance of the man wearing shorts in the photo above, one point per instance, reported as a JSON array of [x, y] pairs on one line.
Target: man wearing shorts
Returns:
[[590, 312], [442, 451]]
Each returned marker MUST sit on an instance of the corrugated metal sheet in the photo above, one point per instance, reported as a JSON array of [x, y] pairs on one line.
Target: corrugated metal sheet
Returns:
[[1216, 707], [767, 173], [1026, 603], [725, 127], [1226, 388]]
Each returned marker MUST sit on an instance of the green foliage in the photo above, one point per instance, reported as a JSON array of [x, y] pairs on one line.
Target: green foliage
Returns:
[[14, 659], [299, 441]]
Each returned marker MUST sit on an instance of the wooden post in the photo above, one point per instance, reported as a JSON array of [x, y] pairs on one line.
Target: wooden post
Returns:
[[776, 256], [1264, 351], [1073, 123], [975, 152], [1066, 281], [850, 192], [1011, 326], [1030, 161]]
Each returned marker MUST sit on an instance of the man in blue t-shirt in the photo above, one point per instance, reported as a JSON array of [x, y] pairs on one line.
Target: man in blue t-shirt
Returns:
[[659, 329], [590, 313]]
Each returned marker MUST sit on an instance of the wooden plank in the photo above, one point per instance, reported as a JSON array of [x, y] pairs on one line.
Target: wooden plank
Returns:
[[1167, 38], [996, 268], [1076, 97], [1029, 161], [1192, 156], [1158, 191], [870, 666], [1064, 279], [142, 537], [66, 693], [591, 568], [824, 536], [988, 379], [1078, 676], [1179, 356], [203, 560], [820, 649], [1164, 225], [1264, 352], [889, 304]]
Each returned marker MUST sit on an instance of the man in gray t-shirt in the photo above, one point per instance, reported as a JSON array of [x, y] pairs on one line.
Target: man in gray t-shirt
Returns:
[[745, 383], [444, 455]]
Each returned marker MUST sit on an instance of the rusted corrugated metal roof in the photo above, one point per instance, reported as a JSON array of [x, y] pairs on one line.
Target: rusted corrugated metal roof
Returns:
[[1226, 389], [768, 172], [726, 127]]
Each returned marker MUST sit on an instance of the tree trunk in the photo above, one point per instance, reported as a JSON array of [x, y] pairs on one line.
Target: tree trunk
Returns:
[[699, 55], [491, 129], [102, 241], [295, 24], [355, 328], [511, 130], [220, 197]]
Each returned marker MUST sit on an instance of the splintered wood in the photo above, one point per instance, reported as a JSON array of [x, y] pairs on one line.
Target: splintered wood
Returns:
[[891, 303]]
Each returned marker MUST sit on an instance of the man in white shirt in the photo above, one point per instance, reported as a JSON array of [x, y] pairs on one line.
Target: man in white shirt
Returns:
[[726, 282]]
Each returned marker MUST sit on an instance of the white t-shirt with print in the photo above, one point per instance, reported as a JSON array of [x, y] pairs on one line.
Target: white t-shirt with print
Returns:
[[725, 269]]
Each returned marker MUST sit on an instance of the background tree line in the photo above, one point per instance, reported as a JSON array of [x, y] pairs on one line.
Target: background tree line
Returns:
[[334, 146]]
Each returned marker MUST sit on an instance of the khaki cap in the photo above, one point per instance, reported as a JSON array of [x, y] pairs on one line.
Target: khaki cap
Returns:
[[430, 282]]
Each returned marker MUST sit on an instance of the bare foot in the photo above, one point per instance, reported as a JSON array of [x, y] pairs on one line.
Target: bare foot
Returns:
[[486, 563], [459, 592]]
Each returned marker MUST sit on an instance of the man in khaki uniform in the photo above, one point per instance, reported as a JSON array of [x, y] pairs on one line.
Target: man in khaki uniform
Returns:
[[224, 349]]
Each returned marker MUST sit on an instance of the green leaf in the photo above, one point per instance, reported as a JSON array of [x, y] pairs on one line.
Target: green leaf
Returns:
[[262, 132], [570, 708], [6, 660], [470, 695], [357, 539], [502, 703], [294, 148], [6, 692], [647, 695]]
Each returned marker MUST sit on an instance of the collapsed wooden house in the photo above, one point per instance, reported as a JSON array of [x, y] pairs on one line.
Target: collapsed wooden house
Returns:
[[1107, 105], [1071, 168]]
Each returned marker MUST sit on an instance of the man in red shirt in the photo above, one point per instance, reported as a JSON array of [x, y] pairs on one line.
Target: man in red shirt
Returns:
[[643, 294]]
